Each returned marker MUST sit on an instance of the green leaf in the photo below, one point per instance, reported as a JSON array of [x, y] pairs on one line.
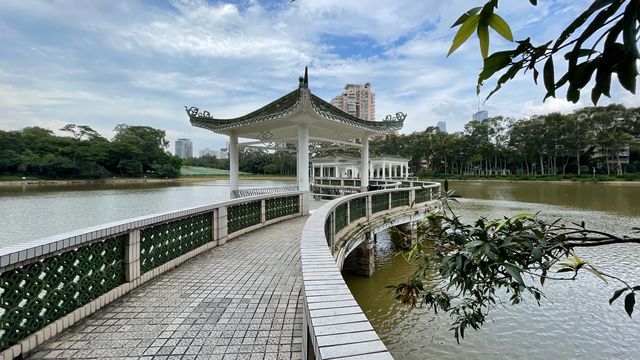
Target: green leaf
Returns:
[[568, 31], [565, 270], [629, 302], [514, 272], [464, 33], [533, 2], [537, 253], [573, 94], [483, 37], [617, 294], [510, 74], [627, 72], [466, 15], [500, 26], [630, 32], [497, 61], [473, 244], [549, 76]]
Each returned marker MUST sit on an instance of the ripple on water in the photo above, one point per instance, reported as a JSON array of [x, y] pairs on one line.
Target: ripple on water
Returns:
[[575, 322]]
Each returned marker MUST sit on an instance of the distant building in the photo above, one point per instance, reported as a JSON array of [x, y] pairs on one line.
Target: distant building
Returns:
[[357, 100], [481, 115], [184, 148], [219, 154], [442, 125]]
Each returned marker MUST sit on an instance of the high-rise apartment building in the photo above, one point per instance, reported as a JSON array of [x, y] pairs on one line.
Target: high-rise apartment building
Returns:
[[184, 148], [357, 100], [442, 126]]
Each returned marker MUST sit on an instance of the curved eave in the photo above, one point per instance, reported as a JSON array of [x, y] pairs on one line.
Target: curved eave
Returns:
[[285, 106], [274, 110], [330, 112]]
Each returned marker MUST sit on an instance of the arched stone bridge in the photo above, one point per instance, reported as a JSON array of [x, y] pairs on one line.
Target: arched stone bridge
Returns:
[[162, 287]]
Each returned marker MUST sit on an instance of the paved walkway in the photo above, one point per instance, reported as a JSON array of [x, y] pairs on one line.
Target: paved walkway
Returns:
[[241, 300]]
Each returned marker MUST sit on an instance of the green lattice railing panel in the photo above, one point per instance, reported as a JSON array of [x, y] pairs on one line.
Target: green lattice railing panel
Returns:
[[357, 209], [283, 206], [422, 196], [406, 184], [164, 242], [341, 217], [334, 182], [379, 202], [400, 198], [242, 216], [39, 293], [349, 183]]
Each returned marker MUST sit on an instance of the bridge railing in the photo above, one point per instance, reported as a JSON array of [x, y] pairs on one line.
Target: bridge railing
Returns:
[[49, 284], [335, 326], [263, 191]]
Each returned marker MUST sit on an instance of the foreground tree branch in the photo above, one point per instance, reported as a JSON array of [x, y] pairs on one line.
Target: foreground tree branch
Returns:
[[462, 268]]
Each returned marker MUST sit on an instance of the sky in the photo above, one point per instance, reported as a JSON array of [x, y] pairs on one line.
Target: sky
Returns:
[[106, 62]]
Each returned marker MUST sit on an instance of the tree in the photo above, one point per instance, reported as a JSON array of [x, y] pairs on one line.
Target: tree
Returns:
[[462, 268], [601, 41]]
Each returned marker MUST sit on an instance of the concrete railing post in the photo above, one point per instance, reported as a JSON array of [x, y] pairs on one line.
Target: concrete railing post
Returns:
[[368, 207], [412, 197], [221, 225], [132, 256], [263, 211]]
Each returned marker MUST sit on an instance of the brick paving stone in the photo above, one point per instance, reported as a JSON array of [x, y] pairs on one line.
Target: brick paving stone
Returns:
[[241, 300]]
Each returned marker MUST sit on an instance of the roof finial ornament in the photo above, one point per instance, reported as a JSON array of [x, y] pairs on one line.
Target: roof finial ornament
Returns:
[[306, 77]]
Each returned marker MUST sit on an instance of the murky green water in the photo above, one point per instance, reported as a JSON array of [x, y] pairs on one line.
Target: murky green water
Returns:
[[575, 322], [32, 212]]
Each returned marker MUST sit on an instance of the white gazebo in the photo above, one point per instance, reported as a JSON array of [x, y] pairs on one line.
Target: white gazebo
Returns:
[[298, 118], [389, 166], [348, 167]]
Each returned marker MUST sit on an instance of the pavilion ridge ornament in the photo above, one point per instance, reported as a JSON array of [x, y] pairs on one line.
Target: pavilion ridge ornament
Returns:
[[193, 111], [165, 242], [400, 116], [42, 292]]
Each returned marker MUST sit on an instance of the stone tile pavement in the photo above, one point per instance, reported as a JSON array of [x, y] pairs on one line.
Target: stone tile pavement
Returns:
[[238, 301]]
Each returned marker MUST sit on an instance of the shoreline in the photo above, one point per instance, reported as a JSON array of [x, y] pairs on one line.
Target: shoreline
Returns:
[[568, 181], [186, 179]]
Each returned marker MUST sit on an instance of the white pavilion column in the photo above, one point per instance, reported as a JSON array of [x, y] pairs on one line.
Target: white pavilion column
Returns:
[[234, 164], [364, 163], [384, 170], [303, 157], [321, 171]]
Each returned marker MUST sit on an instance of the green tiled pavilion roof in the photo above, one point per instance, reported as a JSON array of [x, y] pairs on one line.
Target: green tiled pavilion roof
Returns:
[[287, 105]]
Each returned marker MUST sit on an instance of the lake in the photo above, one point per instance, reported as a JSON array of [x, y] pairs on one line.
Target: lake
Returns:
[[575, 321]]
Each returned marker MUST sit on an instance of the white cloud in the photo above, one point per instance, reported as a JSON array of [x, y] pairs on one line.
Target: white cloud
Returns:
[[107, 62]]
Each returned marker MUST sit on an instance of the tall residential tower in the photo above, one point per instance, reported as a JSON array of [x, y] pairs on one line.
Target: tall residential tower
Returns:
[[357, 100]]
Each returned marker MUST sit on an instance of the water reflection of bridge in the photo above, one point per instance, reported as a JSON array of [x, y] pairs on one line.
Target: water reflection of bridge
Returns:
[[272, 290]]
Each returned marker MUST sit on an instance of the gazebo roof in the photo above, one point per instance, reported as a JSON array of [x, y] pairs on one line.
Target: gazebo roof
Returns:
[[278, 120]]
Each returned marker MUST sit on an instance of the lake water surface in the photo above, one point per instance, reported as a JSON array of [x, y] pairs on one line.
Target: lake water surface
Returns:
[[575, 321]]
